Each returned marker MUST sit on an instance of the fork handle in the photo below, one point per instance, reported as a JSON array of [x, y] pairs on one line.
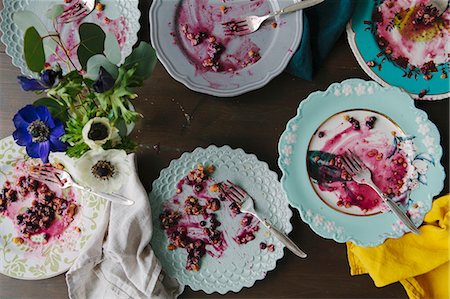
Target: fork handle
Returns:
[[284, 239], [112, 197], [395, 209], [297, 6]]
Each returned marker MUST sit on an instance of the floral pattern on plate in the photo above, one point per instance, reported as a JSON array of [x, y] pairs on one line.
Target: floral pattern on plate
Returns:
[[239, 265], [425, 181], [25, 260]]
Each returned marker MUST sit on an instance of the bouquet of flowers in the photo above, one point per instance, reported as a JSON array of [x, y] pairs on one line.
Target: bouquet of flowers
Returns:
[[86, 106]]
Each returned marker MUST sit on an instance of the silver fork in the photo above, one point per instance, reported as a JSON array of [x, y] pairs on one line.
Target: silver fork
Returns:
[[252, 23], [362, 175], [79, 10], [65, 180], [246, 205]]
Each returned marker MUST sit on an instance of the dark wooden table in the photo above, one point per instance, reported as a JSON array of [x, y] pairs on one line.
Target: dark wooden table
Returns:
[[253, 122]]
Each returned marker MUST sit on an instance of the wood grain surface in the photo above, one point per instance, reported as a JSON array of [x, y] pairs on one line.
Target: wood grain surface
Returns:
[[253, 122]]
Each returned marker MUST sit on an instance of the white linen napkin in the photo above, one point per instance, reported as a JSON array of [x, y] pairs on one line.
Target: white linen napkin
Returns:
[[118, 262]]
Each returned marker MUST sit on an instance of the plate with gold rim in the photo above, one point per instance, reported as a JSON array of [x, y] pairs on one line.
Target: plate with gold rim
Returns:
[[394, 139]]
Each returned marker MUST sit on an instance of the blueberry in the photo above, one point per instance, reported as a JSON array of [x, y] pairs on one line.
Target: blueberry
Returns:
[[198, 187]]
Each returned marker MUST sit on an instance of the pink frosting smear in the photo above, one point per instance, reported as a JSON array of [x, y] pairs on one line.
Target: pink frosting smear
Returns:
[[40, 212], [199, 32]]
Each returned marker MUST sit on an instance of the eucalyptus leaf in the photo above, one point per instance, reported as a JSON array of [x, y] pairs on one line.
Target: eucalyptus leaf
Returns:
[[50, 44], [55, 11], [25, 19], [33, 49], [92, 42], [145, 57], [95, 62], [56, 110], [112, 48]]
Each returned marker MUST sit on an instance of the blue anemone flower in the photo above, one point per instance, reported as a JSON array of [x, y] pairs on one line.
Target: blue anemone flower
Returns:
[[38, 131], [104, 82], [47, 79]]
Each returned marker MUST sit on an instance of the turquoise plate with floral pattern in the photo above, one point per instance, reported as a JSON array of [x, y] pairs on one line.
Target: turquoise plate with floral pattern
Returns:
[[396, 46], [407, 131], [38, 260]]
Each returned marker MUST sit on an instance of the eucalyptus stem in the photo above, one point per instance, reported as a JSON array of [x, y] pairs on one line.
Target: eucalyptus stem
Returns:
[[61, 44]]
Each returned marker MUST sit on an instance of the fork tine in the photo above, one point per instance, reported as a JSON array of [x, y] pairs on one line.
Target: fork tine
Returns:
[[232, 193], [353, 161], [347, 165], [43, 179], [232, 198], [76, 16], [235, 27], [238, 189], [357, 159], [232, 23]]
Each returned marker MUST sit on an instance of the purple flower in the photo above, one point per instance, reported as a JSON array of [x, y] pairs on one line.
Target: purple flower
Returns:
[[104, 82], [47, 80], [38, 131]]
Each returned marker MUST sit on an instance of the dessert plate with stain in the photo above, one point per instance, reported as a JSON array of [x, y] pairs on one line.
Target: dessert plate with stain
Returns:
[[42, 228], [393, 138], [404, 44], [199, 237], [190, 42]]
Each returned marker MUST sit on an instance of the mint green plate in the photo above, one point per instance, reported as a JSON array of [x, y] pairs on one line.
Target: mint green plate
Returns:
[[421, 136], [240, 265]]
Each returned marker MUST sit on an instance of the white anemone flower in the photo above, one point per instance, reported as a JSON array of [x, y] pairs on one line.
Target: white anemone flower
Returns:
[[103, 171], [98, 131]]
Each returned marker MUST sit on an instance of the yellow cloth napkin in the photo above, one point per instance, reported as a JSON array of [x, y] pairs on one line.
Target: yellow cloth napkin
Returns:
[[419, 262]]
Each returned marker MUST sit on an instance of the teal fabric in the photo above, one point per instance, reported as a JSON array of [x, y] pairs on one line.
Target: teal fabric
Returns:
[[323, 24]]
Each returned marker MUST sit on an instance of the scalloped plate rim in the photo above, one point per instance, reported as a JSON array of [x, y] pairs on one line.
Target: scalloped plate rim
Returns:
[[439, 168], [191, 84], [21, 64], [186, 155], [351, 39]]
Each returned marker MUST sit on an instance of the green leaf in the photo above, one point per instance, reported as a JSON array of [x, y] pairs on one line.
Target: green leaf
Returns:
[[77, 150], [112, 48], [56, 109], [25, 19], [55, 11], [145, 58], [92, 42], [34, 50], [95, 62]]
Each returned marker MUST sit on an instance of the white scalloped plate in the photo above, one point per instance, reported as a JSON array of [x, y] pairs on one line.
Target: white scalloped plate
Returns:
[[277, 45], [239, 266], [12, 36]]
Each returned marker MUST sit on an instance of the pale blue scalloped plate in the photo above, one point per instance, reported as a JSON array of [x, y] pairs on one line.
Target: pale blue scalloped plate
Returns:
[[239, 266], [293, 146], [12, 35], [277, 47]]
